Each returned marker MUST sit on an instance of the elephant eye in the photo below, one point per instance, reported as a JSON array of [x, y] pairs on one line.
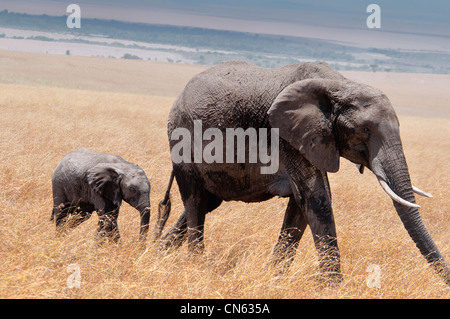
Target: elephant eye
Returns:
[[132, 190], [367, 130]]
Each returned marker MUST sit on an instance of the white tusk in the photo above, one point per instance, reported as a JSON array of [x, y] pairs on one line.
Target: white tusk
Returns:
[[421, 192], [394, 196]]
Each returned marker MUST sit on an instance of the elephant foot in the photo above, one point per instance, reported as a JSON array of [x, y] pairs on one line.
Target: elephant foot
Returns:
[[172, 240], [196, 248], [284, 252], [329, 279], [107, 235], [104, 238], [195, 240], [281, 260], [330, 269], [108, 230]]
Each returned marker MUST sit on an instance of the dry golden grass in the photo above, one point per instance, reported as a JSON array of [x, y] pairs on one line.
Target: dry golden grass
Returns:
[[39, 124], [78, 72]]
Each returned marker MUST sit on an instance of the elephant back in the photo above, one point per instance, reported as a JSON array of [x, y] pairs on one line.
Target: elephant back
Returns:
[[238, 94]]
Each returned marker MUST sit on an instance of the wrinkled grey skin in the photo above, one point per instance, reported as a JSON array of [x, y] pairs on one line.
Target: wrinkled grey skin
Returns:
[[321, 117], [85, 181]]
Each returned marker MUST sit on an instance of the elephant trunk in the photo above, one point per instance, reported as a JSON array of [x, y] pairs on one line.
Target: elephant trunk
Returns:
[[144, 212], [391, 169]]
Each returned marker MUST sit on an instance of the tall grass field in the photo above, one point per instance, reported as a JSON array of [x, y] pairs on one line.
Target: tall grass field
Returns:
[[52, 105]]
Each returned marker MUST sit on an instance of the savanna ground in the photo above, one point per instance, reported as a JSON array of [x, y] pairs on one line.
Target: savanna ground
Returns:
[[51, 105]]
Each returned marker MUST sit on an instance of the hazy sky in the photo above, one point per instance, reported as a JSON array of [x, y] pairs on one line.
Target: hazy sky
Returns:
[[338, 20]]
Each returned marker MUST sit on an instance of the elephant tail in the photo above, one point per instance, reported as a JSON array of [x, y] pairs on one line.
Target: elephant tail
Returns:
[[164, 207]]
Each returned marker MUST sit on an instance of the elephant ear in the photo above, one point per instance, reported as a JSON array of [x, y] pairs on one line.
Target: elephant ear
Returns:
[[105, 180], [303, 114]]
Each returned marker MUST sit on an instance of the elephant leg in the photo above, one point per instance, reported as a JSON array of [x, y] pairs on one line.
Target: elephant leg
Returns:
[[176, 235], [60, 203], [80, 214], [186, 227], [68, 215], [78, 218], [196, 210], [59, 215], [107, 222], [195, 218], [321, 221], [311, 191], [62, 215], [294, 225]]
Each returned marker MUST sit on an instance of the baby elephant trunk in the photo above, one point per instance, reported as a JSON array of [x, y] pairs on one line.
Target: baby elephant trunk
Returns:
[[145, 220]]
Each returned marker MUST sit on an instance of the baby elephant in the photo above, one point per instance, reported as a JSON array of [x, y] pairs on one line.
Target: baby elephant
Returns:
[[85, 181]]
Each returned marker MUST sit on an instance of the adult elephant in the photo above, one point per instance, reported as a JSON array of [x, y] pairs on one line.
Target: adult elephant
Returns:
[[320, 115]]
